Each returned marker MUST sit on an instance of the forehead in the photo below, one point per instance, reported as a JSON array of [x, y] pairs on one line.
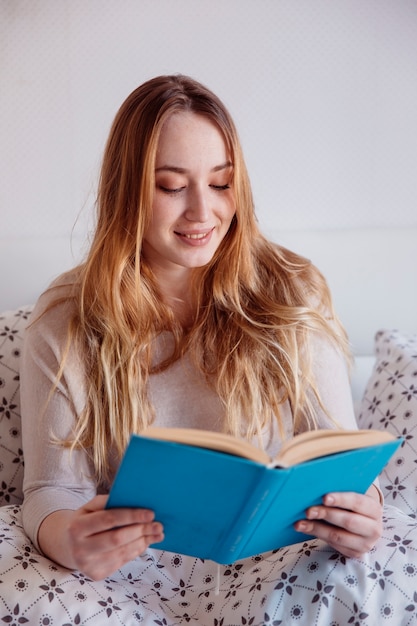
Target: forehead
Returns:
[[185, 135]]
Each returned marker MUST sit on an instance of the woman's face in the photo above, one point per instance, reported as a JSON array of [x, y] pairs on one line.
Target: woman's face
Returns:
[[193, 202]]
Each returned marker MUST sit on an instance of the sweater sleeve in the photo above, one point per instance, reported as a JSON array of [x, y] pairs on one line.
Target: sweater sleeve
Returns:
[[333, 383], [55, 478], [331, 376]]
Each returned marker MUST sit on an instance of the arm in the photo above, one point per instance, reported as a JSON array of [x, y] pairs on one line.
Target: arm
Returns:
[[349, 522], [97, 541], [61, 512]]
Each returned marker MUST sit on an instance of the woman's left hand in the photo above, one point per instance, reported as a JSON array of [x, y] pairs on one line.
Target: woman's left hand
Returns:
[[349, 522]]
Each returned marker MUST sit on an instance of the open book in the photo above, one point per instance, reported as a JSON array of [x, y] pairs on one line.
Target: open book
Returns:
[[223, 499], [303, 447]]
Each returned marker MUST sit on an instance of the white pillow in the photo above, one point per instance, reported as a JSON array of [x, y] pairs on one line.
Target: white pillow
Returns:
[[390, 402], [12, 325]]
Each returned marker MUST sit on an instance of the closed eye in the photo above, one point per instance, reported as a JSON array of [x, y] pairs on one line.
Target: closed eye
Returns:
[[220, 187], [170, 190]]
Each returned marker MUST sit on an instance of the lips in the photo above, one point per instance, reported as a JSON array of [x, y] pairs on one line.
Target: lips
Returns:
[[198, 236]]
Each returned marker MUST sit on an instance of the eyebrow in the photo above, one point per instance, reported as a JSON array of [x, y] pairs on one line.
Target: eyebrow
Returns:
[[182, 170]]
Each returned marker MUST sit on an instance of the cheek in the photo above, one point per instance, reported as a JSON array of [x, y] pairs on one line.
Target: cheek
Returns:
[[227, 206], [231, 211], [163, 212], [232, 220], [227, 225]]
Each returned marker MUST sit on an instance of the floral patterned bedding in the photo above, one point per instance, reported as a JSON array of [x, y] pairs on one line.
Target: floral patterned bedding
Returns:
[[307, 583]]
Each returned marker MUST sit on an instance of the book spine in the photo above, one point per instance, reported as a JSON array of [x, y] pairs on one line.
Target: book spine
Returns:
[[230, 545]]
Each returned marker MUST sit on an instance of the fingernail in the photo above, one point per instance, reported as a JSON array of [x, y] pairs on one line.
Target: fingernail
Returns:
[[312, 513], [157, 528]]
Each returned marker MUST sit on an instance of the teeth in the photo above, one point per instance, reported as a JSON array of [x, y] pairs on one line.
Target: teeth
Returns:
[[201, 236]]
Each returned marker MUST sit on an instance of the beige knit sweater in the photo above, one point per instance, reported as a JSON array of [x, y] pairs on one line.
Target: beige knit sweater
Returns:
[[55, 479]]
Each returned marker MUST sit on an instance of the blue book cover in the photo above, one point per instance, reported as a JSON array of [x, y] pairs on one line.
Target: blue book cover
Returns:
[[223, 507]]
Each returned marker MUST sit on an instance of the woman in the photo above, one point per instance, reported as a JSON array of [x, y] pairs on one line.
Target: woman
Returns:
[[182, 314]]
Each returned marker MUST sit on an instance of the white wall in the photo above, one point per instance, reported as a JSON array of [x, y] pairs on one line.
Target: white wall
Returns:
[[324, 94]]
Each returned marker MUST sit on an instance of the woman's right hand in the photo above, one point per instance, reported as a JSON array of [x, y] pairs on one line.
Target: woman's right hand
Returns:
[[95, 540]]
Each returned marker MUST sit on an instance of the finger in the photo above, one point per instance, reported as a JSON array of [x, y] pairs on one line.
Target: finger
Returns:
[[120, 544], [336, 537], [97, 569], [350, 533], [100, 530], [356, 502], [88, 523], [98, 503], [117, 539], [353, 523]]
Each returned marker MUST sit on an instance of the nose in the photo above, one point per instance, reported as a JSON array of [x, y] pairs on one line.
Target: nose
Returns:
[[197, 205]]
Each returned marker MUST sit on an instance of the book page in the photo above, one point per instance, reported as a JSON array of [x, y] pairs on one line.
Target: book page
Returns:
[[302, 447], [221, 442], [317, 443]]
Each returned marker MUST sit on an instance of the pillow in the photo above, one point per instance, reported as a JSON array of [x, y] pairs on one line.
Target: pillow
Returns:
[[390, 402], [12, 325]]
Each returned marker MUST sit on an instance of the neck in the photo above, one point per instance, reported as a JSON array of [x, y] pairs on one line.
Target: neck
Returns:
[[175, 288]]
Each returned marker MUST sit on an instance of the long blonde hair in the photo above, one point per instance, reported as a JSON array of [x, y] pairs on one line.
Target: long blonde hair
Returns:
[[257, 305]]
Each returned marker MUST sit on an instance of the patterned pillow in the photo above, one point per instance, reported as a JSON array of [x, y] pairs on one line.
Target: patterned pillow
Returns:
[[12, 325], [390, 402]]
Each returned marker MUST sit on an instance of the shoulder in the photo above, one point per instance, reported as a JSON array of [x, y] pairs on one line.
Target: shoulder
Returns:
[[292, 276], [281, 260], [53, 310], [59, 292]]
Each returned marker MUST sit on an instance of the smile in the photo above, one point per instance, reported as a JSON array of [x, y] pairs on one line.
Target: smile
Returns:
[[201, 236], [195, 236]]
